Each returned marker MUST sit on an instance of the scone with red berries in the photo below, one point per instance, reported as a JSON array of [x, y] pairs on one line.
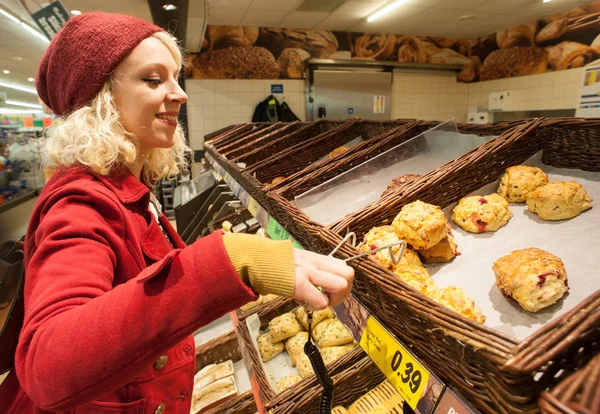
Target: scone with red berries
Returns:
[[520, 180], [559, 200], [422, 225], [456, 299], [379, 237], [478, 214], [533, 277], [442, 252]]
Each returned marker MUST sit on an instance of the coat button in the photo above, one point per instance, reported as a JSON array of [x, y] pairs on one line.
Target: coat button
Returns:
[[161, 362], [160, 409]]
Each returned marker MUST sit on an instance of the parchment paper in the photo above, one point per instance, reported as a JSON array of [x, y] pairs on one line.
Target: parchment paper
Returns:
[[575, 241]]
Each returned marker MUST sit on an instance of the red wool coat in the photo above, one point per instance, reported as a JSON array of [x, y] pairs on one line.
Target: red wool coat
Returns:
[[110, 306]]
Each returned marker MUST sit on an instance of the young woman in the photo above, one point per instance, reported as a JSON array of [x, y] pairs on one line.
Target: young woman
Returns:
[[112, 294]]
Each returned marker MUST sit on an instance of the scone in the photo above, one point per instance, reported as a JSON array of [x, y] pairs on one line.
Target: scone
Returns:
[[422, 225], [267, 348], [287, 382], [518, 181], [559, 200], [399, 182], [478, 214], [318, 316], [444, 251], [284, 326], [338, 151], [418, 278], [533, 277], [379, 237], [332, 332], [295, 345], [456, 299]]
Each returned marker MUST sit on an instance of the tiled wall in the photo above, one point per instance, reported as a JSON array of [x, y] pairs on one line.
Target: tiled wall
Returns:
[[214, 104], [429, 95], [552, 90]]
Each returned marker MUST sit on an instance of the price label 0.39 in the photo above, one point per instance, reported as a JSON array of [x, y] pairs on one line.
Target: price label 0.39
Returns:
[[419, 388]]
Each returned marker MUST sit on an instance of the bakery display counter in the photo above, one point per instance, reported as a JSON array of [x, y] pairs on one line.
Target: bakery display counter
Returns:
[[503, 364]]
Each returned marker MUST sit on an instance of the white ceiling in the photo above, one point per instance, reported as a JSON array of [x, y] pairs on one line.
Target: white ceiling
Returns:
[[416, 17]]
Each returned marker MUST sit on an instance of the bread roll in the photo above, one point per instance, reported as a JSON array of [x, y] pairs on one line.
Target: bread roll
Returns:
[[268, 348], [374, 46], [383, 399], [569, 55], [318, 316], [332, 332], [411, 49], [221, 37], [292, 62], [235, 63], [514, 61], [212, 393], [318, 43], [295, 345], [284, 326], [521, 35], [213, 372], [287, 382]]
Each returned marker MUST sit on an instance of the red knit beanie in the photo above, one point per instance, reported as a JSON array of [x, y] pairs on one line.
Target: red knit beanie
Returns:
[[82, 56]]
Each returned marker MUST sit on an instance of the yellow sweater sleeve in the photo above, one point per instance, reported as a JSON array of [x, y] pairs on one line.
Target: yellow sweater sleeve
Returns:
[[266, 265]]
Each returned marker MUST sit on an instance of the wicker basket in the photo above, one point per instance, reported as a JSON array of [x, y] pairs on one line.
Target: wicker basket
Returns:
[[350, 385], [270, 397], [242, 404], [497, 373], [579, 393], [322, 171], [216, 351], [267, 310], [240, 132]]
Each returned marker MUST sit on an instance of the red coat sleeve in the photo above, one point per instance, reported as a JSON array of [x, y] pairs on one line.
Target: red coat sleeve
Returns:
[[84, 337]]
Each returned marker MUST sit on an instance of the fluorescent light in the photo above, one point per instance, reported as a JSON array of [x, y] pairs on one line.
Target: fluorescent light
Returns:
[[6, 71], [30, 79], [18, 87], [28, 105], [75, 12], [384, 10], [547, 1], [34, 32], [10, 16], [20, 111]]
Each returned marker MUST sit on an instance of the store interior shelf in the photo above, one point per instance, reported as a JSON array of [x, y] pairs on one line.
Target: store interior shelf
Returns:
[[18, 201]]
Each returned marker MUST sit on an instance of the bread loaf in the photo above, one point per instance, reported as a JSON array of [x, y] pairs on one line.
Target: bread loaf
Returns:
[[383, 399]]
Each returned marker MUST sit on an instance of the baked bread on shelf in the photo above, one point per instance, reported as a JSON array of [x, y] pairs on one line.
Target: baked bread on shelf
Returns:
[[292, 62], [478, 214], [516, 182], [331, 332], [267, 348], [456, 299], [559, 200], [382, 399], [379, 237], [338, 151], [442, 252], [422, 225], [318, 316], [418, 278], [287, 382], [295, 345], [213, 392], [533, 277], [284, 326]]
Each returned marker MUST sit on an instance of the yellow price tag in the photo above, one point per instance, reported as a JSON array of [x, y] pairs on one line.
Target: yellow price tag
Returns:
[[395, 361], [253, 206]]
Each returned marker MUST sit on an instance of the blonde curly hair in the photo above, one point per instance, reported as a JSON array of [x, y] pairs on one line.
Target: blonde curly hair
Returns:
[[94, 137]]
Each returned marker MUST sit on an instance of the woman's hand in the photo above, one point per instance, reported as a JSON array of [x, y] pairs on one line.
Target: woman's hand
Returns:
[[333, 275]]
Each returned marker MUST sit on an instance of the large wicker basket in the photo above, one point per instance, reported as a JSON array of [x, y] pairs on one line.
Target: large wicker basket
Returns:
[[270, 397], [350, 384], [497, 373], [579, 393], [322, 171]]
